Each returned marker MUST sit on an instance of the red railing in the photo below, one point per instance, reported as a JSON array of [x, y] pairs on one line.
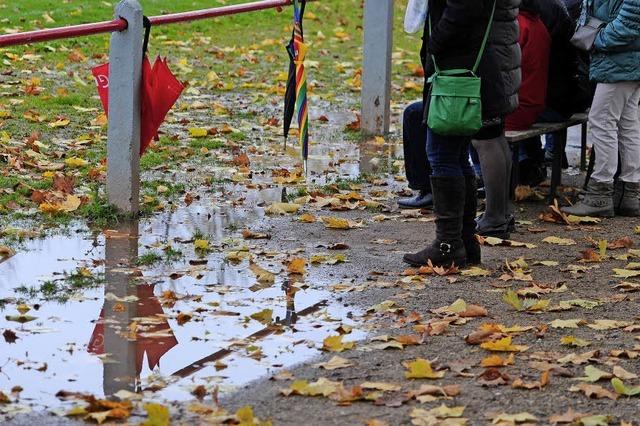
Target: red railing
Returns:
[[120, 24]]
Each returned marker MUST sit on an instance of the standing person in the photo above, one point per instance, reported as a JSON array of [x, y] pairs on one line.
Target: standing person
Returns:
[[614, 120], [416, 164], [490, 144], [453, 181]]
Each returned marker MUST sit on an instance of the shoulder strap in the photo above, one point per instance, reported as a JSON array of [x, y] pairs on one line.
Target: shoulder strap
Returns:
[[486, 38]]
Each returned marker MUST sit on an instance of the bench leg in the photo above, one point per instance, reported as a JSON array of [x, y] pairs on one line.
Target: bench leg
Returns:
[[583, 147], [556, 171], [592, 163]]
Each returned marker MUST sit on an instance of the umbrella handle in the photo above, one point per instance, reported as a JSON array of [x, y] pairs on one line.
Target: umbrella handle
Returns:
[[147, 32]]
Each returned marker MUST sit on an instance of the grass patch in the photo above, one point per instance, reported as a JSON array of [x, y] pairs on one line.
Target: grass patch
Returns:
[[149, 258]]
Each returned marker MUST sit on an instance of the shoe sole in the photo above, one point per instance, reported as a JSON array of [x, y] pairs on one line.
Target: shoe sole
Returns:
[[418, 264], [405, 207]]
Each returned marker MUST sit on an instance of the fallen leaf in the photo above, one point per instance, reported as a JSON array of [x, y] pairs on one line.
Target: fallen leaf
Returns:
[[296, 266], [421, 369], [335, 363], [503, 345], [559, 241], [593, 391], [335, 344], [574, 341], [622, 389]]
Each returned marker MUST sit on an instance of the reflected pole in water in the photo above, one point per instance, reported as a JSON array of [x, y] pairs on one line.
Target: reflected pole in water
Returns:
[[121, 254]]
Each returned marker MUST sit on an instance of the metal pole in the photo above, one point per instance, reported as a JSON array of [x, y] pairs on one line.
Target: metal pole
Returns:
[[376, 69], [125, 76]]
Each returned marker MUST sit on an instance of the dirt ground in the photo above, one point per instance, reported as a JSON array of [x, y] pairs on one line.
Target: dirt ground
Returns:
[[482, 403]]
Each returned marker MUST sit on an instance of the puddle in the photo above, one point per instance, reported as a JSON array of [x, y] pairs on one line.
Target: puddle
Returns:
[[166, 328]]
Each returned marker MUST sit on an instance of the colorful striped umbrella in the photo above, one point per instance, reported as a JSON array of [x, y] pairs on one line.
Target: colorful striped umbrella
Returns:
[[300, 52]]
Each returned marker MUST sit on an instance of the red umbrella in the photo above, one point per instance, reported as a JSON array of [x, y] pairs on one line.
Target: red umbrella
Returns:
[[160, 91], [155, 347]]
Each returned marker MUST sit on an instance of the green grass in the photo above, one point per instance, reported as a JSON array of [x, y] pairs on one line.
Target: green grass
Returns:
[[148, 259], [245, 51]]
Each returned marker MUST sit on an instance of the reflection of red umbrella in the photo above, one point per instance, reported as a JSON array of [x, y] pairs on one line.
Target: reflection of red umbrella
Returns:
[[154, 347], [160, 91]]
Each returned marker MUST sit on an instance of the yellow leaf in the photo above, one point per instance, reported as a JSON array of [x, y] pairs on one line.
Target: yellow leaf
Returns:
[[559, 241], [75, 162], [282, 208], [202, 245], [608, 324], [336, 223], [265, 316], [335, 344], [574, 341], [296, 266], [196, 132], [307, 218], [476, 271], [62, 122], [497, 361], [157, 415], [262, 275], [503, 345], [421, 369]]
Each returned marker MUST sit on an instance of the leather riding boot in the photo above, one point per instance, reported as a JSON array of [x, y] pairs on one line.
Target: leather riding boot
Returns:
[[448, 206]]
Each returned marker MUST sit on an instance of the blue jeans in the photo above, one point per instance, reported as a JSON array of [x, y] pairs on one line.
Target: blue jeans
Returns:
[[414, 141], [531, 149], [449, 155]]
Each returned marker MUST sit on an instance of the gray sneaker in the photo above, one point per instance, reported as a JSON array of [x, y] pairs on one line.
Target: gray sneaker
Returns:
[[597, 201]]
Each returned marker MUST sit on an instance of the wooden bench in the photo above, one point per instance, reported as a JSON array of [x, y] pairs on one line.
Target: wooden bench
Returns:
[[559, 130]]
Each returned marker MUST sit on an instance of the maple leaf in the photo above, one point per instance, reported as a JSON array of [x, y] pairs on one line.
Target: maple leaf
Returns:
[[335, 344], [503, 345]]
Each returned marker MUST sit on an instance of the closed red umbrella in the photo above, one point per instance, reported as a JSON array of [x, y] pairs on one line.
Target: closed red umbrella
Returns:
[[160, 91]]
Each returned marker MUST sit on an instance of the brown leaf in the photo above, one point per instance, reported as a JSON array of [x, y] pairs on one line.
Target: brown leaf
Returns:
[[64, 183], [538, 384], [354, 126], [241, 160], [594, 391], [493, 377], [624, 242], [9, 336], [569, 417]]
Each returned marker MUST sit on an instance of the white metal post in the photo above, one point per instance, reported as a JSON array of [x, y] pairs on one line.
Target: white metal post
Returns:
[[125, 76], [376, 68]]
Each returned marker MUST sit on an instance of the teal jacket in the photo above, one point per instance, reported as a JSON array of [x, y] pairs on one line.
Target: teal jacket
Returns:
[[616, 54]]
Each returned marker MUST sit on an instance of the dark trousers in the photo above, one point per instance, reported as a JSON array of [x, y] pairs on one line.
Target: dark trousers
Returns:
[[531, 149], [414, 140], [449, 155]]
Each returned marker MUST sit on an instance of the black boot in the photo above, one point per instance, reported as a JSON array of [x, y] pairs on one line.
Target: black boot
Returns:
[[469, 239], [448, 206], [422, 200]]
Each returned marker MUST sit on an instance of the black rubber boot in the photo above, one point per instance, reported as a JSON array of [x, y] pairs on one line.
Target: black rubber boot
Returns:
[[448, 206], [422, 200], [471, 245]]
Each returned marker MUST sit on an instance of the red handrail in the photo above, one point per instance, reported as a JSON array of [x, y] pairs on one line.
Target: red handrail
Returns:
[[120, 24], [218, 11], [64, 32]]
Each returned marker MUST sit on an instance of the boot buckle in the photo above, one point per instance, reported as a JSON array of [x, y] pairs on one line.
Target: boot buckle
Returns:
[[445, 248]]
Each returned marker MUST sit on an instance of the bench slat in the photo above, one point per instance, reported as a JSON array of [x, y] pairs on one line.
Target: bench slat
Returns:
[[540, 129]]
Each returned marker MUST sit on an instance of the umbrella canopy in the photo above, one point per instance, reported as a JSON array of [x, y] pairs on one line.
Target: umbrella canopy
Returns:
[[157, 339], [296, 93], [160, 91]]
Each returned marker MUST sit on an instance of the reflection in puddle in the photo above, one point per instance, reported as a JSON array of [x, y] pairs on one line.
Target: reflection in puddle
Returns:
[[167, 328]]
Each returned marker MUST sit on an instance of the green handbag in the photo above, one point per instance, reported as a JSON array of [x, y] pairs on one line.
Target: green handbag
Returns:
[[455, 102]]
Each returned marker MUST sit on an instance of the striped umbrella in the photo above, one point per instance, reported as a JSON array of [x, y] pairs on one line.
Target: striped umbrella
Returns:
[[300, 51]]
